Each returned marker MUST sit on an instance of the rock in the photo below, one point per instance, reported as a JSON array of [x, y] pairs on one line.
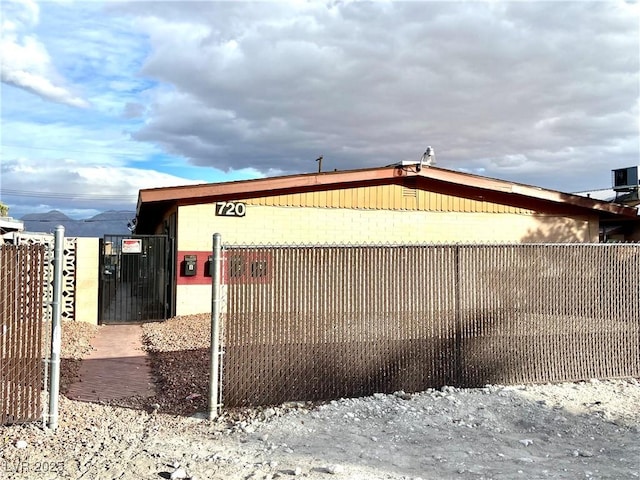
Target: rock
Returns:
[[526, 460], [21, 444], [180, 473], [526, 442], [402, 394], [334, 469]]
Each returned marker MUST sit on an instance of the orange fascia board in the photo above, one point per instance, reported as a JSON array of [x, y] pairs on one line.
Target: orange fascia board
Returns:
[[342, 179], [190, 194], [537, 193]]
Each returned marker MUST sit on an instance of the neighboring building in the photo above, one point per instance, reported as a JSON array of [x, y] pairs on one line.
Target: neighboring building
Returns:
[[625, 190], [397, 204], [617, 232], [8, 228]]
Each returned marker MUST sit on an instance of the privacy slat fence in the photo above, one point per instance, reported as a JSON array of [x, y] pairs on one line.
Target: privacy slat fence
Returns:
[[310, 323], [22, 290]]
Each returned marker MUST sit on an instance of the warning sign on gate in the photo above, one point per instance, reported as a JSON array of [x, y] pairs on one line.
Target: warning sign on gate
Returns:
[[131, 245]]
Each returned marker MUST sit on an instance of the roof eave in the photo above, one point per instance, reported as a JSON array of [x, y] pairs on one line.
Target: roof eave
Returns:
[[259, 186], [476, 186], [537, 193]]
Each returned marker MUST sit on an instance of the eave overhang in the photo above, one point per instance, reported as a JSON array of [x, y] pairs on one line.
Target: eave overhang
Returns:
[[152, 203]]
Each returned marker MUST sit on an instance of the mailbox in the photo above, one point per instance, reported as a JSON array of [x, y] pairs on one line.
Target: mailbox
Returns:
[[208, 266], [190, 265]]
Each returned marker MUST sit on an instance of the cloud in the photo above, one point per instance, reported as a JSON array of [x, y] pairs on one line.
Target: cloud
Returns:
[[26, 63], [544, 93], [75, 186], [272, 86], [133, 110]]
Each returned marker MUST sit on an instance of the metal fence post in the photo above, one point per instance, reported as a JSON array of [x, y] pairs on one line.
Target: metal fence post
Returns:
[[56, 334], [458, 355], [214, 354]]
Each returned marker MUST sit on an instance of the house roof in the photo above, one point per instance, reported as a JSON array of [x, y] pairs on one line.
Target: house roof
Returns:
[[8, 224], [154, 202]]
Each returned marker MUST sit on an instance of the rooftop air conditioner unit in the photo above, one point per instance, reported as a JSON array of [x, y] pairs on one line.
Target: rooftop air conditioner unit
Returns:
[[625, 179]]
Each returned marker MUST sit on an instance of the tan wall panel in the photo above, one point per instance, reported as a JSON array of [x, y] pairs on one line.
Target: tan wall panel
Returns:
[[287, 225], [191, 299], [87, 280], [281, 225], [292, 225]]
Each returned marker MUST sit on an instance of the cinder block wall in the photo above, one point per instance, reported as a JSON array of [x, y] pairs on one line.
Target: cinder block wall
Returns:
[[304, 225], [296, 225]]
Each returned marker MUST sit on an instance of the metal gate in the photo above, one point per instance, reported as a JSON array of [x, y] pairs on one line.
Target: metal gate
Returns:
[[134, 278]]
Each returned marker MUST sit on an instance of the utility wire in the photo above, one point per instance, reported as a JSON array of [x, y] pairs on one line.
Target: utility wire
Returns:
[[104, 152], [69, 196]]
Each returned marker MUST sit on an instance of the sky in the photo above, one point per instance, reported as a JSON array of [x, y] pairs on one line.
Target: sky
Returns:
[[101, 99]]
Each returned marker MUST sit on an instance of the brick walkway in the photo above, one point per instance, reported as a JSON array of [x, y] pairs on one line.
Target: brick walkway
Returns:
[[116, 368]]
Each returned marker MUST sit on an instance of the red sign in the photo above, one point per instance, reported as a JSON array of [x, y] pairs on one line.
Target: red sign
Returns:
[[131, 245]]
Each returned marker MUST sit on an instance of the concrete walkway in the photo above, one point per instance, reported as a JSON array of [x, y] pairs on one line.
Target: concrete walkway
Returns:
[[117, 367]]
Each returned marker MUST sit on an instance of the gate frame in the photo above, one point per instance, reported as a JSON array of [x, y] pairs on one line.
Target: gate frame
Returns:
[[165, 299]]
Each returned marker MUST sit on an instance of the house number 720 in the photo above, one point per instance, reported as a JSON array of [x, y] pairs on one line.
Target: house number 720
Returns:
[[230, 209]]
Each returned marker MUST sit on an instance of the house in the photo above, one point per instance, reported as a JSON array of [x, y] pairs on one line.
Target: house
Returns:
[[9, 227], [398, 204], [625, 190]]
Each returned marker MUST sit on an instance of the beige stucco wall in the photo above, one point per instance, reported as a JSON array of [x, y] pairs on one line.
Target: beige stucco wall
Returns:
[[287, 225], [191, 299], [87, 280], [296, 225]]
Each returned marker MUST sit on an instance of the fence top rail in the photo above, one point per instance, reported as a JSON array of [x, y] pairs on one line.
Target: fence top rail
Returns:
[[433, 245], [34, 247], [133, 235]]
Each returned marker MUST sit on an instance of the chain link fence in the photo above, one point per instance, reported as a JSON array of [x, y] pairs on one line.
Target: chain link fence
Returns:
[[20, 328], [22, 304], [322, 322]]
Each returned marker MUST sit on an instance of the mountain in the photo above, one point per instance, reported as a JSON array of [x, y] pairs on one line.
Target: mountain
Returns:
[[110, 222], [52, 216]]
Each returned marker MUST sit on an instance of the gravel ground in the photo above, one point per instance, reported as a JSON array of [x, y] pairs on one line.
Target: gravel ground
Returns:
[[574, 430], [179, 354]]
